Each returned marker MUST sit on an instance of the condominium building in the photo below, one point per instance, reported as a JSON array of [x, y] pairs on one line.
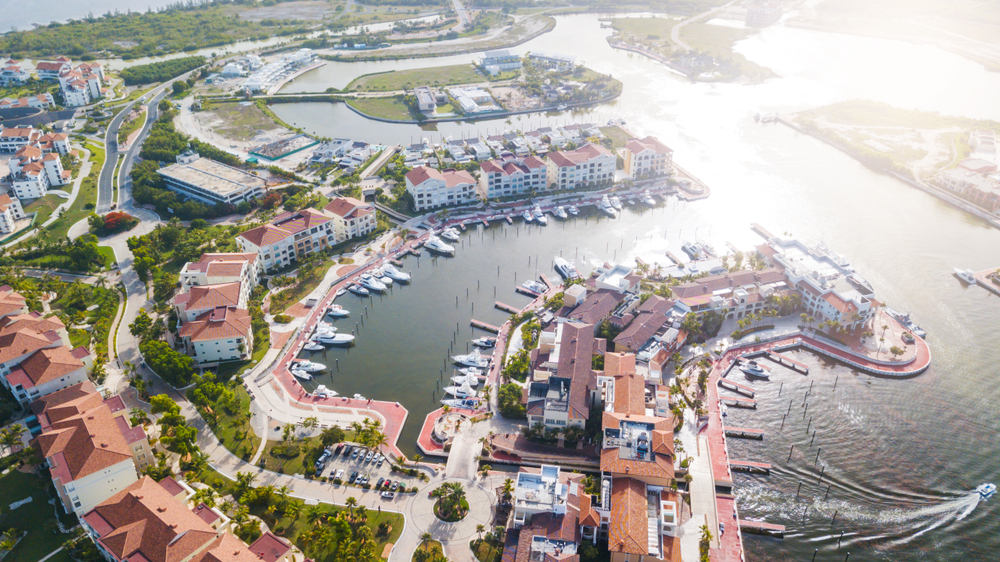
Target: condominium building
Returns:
[[211, 182], [82, 85], [12, 73], [351, 218], [10, 211], [36, 164], [561, 391], [221, 334], [511, 176], [217, 269], [431, 188], [50, 70], [289, 237], [647, 158], [40, 101], [591, 164], [197, 300]]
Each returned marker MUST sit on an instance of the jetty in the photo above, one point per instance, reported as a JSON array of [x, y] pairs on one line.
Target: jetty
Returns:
[[761, 528], [739, 402], [744, 432], [507, 308], [674, 259], [787, 362], [736, 387], [750, 466], [761, 230], [528, 292], [547, 281], [484, 326], [984, 280]]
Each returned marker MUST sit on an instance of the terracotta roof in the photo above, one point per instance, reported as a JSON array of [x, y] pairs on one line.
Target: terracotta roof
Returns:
[[348, 207], [207, 260], [712, 283], [31, 320], [265, 235], [225, 268], [629, 517], [227, 548], [205, 513], [172, 487], [844, 307], [662, 464], [644, 327], [269, 547], [144, 522], [211, 296], [10, 301], [575, 353], [588, 515], [49, 66], [47, 365], [596, 307], [581, 155], [630, 393], [451, 178], [24, 342], [616, 364], [84, 444], [66, 403], [649, 143], [131, 434], [219, 323]]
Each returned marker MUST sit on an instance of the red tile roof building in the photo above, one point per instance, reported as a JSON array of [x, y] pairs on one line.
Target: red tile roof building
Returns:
[[647, 158], [591, 164], [512, 176], [289, 237], [224, 333], [431, 188], [351, 218]]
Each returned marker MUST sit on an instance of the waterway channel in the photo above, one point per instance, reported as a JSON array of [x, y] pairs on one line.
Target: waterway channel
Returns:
[[902, 455]]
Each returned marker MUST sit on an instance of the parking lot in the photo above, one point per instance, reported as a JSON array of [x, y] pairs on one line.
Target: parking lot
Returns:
[[354, 458]]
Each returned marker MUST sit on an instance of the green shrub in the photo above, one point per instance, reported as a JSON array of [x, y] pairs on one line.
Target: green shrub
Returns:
[[283, 319]]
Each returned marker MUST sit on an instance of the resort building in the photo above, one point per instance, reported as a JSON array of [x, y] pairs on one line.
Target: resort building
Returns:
[[289, 237], [216, 269], [224, 333], [563, 384], [36, 164], [91, 450], [590, 164], [425, 99], [274, 73], [616, 277], [50, 70], [647, 158], [552, 61], [40, 101], [431, 188], [734, 294], [197, 300], [12, 73], [211, 182], [495, 62], [980, 185], [10, 211], [82, 85], [652, 319], [511, 176], [351, 218]]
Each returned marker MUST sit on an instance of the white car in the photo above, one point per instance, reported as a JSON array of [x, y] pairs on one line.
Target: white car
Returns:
[[339, 474], [388, 495]]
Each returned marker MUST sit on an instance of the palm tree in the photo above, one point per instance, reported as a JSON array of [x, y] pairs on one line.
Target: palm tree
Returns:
[[485, 470], [426, 537], [479, 529], [377, 440], [315, 515], [293, 509], [351, 503]]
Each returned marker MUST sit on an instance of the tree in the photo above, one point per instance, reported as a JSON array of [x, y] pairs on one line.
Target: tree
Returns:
[[244, 482], [485, 470], [163, 403], [331, 435], [479, 530]]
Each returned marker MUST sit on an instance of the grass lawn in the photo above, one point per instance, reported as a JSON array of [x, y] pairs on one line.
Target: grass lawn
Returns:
[[237, 438], [409, 79], [44, 207], [87, 194], [646, 28], [293, 529], [242, 120], [283, 465], [617, 135], [486, 551], [432, 547], [228, 370], [37, 517], [130, 127], [385, 108], [718, 41], [281, 301]]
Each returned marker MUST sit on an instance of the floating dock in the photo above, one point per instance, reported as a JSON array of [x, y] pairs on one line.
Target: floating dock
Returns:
[[507, 307], [788, 362], [484, 326], [527, 292], [546, 281], [736, 387], [750, 466], [761, 528], [761, 230], [674, 259], [984, 280], [396, 263], [739, 402], [744, 432], [509, 219]]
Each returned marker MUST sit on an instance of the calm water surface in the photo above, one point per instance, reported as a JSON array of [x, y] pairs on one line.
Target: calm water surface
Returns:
[[901, 456]]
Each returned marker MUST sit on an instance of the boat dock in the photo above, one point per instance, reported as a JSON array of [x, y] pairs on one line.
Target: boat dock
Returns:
[[396, 263], [484, 326], [788, 362], [546, 281], [507, 307], [761, 230], [761, 528], [744, 432], [462, 226], [509, 219], [750, 466], [527, 292], [736, 387], [739, 402], [984, 280], [674, 259]]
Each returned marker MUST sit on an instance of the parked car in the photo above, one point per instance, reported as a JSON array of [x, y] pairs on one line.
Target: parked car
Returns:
[[395, 485], [354, 455], [377, 457], [339, 448], [368, 458], [339, 473], [387, 495], [354, 476], [380, 481], [380, 461]]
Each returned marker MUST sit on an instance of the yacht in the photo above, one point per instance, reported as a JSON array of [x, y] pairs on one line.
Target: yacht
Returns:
[[312, 346], [308, 366], [754, 369], [573, 210], [534, 287], [381, 276], [861, 284], [340, 293], [338, 311], [323, 392], [528, 217], [359, 290], [560, 213], [540, 216], [605, 206], [906, 321], [986, 491], [648, 199], [335, 339], [396, 275], [450, 234], [372, 284], [966, 275], [485, 343], [301, 375], [566, 269], [468, 403], [616, 203], [359, 397], [692, 249], [467, 371], [463, 391], [473, 359], [471, 380], [436, 245]]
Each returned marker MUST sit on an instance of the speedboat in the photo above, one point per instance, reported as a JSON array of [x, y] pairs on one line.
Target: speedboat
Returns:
[[966, 275], [473, 359], [534, 287], [381, 276], [436, 245], [471, 371], [450, 234], [372, 284], [573, 210], [391, 272], [312, 346], [986, 491], [560, 213], [692, 249], [471, 380], [340, 293], [540, 216], [323, 392], [528, 217], [566, 269], [359, 290], [322, 327], [308, 366], [605, 206], [754, 369], [301, 375], [338, 311], [334, 339], [359, 397], [470, 403], [616, 203], [463, 391], [648, 199], [861, 284], [485, 343]]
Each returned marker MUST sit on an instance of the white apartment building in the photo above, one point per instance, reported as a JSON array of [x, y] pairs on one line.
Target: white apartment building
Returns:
[[221, 334], [10, 211], [647, 157], [197, 300], [82, 84], [216, 269], [589, 164], [351, 218], [288, 237], [211, 182], [50, 70], [41, 101], [511, 176], [12, 73], [431, 188], [537, 493]]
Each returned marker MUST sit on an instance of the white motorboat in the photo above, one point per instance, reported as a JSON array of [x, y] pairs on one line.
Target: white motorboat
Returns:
[[605, 207], [534, 287], [450, 234], [754, 369], [312, 346], [986, 491], [334, 339], [381, 276], [359, 397], [473, 359], [308, 366], [467, 371], [566, 269], [324, 328], [438, 246], [528, 217], [301, 375], [390, 271], [573, 210], [485, 343], [372, 284], [340, 293], [540, 216], [648, 199], [323, 392], [338, 311], [469, 403], [692, 249], [861, 284], [616, 203], [472, 380], [560, 213], [966, 275], [359, 290], [463, 391]]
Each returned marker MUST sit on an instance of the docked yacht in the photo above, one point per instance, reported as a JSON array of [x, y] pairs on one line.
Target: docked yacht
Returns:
[[534, 287], [540, 216], [648, 199], [966, 275], [334, 339], [485, 343], [372, 284], [338, 311], [986, 491], [359, 290], [693, 250], [616, 203], [473, 359], [605, 207], [463, 391], [396, 275], [573, 210], [323, 392], [754, 369], [468, 403], [308, 366], [471, 380], [566, 269], [528, 217], [381, 276], [560, 213], [312, 346], [861, 284], [438, 246], [340, 293], [301, 375], [471, 371], [450, 234]]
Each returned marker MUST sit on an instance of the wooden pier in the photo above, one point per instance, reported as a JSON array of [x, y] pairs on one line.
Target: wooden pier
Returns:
[[674, 259], [484, 326], [788, 362], [736, 387], [527, 292], [984, 280], [761, 230], [396, 263], [507, 307], [744, 432], [509, 219], [462, 226], [761, 528], [739, 402], [750, 466], [546, 281]]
